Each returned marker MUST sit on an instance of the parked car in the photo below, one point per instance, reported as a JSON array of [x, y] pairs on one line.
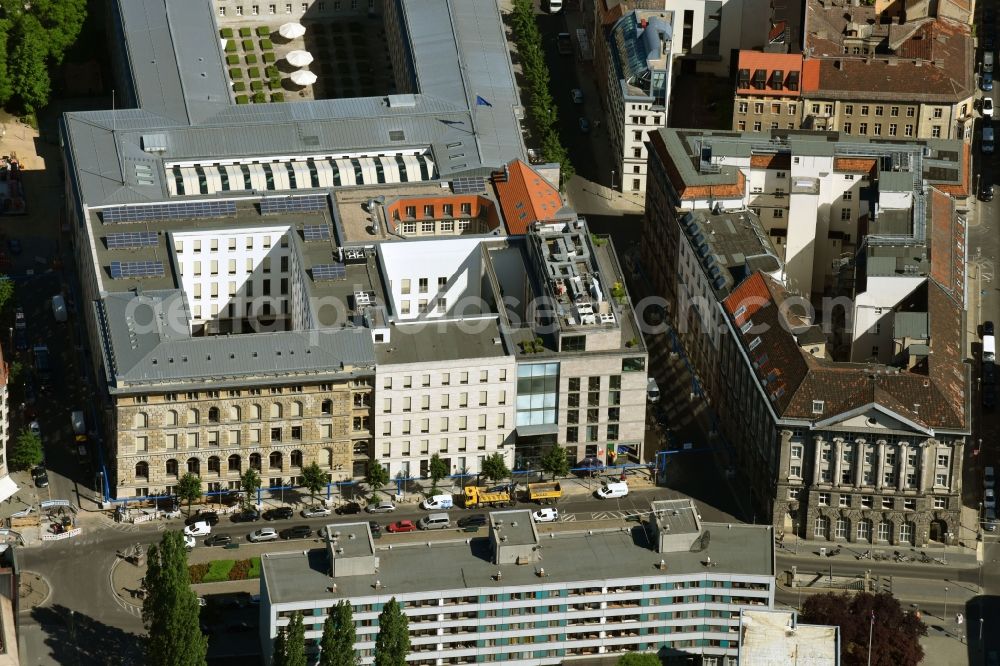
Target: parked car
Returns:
[[297, 532], [546, 515], [251, 516], [315, 512], [438, 502], [577, 96], [190, 542], [985, 190], [989, 479], [613, 490], [987, 107], [281, 513], [21, 339], [198, 529], [584, 125], [987, 328], [218, 540], [210, 517], [589, 466], [986, 82], [381, 507], [989, 396], [475, 520], [401, 526], [375, 528], [263, 534], [348, 509], [990, 498], [41, 477]]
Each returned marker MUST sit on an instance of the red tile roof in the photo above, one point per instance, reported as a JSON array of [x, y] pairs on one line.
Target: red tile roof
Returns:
[[525, 197], [770, 62], [947, 244]]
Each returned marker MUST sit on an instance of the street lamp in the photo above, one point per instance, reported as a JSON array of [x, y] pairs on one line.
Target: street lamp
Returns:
[[613, 179], [945, 618]]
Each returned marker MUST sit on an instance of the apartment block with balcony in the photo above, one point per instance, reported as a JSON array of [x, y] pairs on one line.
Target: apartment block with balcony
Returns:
[[685, 592]]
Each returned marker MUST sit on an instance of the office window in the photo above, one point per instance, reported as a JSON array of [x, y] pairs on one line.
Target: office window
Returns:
[[741, 108], [936, 131], [847, 128]]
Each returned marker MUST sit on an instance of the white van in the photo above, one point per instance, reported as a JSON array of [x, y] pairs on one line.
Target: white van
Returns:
[[435, 521], [59, 307], [989, 349], [79, 423], [555, 6], [613, 490], [438, 502]]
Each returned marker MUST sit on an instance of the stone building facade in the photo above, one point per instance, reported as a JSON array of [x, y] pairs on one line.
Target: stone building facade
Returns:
[[218, 435]]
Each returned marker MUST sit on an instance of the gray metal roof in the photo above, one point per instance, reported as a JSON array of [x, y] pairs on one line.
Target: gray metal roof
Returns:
[[141, 348], [460, 53]]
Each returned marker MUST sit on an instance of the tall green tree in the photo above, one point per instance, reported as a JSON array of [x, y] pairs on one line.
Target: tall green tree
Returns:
[[26, 452], [314, 478], [555, 462], [188, 489], [278, 653], [27, 66], [895, 633], [376, 477], [250, 484], [62, 21], [339, 636], [6, 85], [6, 284], [437, 469], [170, 611], [393, 641], [295, 642], [495, 467]]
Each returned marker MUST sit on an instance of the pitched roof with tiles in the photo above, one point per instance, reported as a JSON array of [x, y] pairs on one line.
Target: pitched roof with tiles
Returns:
[[525, 197], [948, 239], [933, 396], [786, 63]]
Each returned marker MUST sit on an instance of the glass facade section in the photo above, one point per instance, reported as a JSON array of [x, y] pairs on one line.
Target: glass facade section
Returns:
[[537, 394]]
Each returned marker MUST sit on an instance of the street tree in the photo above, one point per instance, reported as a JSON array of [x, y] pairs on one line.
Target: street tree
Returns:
[[555, 462], [314, 478], [639, 659], [6, 284], [250, 484], [437, 469], [27, 66], [895, 633], [62, 21], [278, 651], [295, 642], [376, 477], [495, 468], [393, 641], [26, 452], [6, 87], [170, 610], [337, 643], [188, 489]]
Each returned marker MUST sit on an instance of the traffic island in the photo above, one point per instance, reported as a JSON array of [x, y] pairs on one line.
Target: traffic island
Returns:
[[33, 591]]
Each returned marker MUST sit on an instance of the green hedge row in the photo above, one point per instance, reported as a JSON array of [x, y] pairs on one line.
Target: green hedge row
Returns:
[[218, 571]]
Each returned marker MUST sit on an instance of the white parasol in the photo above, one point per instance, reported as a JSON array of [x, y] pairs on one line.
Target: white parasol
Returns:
[[299, 58], [292, 30], [303, 78]]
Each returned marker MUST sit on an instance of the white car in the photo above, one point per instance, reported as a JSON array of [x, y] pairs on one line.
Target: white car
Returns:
[[987, 108], [263, 534], [201, 528], [991, 499], [35, 428], [546, 515], [189, 541], [315, 512]]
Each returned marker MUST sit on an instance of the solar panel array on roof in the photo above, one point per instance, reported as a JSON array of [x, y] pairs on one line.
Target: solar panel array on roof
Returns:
[[329, 272], [188, 210], [316, 232], [276, 205], [131, 239], [468, 185], [136, 269]]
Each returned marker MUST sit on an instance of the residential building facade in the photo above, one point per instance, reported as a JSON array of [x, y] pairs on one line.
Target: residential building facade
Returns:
[[517, 607]]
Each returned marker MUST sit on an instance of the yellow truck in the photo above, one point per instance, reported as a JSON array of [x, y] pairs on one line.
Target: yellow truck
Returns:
[[544, 493], [476, 497]]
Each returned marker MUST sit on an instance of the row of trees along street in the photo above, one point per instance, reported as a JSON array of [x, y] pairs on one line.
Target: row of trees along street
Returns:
[[171, 615]]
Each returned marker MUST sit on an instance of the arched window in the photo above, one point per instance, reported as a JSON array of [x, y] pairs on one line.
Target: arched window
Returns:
[[296, 409], [192, 416], [234, 413], [142, 470], [255, 461], [213, 414], [327, 407], [213, 464], [171, 467], [171, 417], [274, 460], [141, 420], [360, 449], [194, 466], [296, 458], [234, 463], [275, 410], [255, 412]]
